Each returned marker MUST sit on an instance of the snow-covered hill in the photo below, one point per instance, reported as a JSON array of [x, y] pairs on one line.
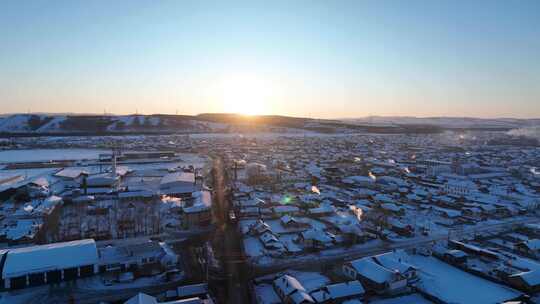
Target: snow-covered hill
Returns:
[[44, 123], [445, 122], [118, 124]]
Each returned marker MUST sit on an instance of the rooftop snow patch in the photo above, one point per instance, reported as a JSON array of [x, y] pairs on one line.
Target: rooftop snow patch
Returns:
[[21, 261], [452, 285]]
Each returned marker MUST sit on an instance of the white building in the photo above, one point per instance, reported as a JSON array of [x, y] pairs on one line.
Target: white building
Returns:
[[51, 263], [178, 184]]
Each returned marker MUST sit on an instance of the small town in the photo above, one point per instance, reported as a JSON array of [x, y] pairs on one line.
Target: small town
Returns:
[[269, 152], [275, 218]]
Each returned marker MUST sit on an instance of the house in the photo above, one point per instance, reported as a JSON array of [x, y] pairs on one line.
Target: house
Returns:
[[143, 257], [102, 180], [473, 249], [392, 208], [285, 210], [400, 227], [290, 290], [316, 239], [38, 188], [392, 261], [374, 276], [259, 227], [142, 298], [455, 256], [529, 247], [337, 293], [532, 229], [324, 210], [270, 241], [361, 181], [292, 222], [528, 281], [72, 176]]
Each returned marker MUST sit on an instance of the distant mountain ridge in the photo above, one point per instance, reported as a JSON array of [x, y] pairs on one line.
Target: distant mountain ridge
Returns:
[[445, 122], [18, 124], [88, 124]]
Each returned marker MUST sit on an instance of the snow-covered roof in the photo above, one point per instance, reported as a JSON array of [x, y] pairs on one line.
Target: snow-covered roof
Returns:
[[322, 209], [533, 244], [392, 261], [346, 289], [71, 173], [301, 297], [358, 179], [266, 295], [176, 178], [40, 181], [287, 208], [532, 278], [21, 261], [141, 298], [456, 253], [268, 237], [288, 284], [101, 180], [367, 268], [313, 234]]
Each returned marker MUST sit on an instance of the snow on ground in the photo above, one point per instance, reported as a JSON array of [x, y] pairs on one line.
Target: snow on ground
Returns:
[[408, 299], [310, 280], [49, 154], [266, 295], [24, 296], [253, 247], [452, 285], [14, 123], [245, 224], [288, 241], [96, 283], [52, 125], [523, 262]]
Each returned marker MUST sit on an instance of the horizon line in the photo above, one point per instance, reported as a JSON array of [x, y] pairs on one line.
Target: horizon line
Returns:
[[263, 115]]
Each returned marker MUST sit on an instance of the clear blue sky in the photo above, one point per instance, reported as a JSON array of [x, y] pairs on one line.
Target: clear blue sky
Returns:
[[305, 58]]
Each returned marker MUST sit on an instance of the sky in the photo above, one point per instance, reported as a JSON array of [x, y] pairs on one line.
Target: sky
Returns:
[[325, 59]]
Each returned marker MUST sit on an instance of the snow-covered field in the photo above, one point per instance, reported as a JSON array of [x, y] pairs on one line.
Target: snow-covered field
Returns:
[[49, 154], [408, 299]]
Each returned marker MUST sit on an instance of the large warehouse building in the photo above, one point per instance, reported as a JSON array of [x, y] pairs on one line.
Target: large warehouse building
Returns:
[[178, 184], [51, 263]]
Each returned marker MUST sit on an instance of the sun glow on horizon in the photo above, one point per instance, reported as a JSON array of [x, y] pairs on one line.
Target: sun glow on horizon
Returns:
[[244, 94]]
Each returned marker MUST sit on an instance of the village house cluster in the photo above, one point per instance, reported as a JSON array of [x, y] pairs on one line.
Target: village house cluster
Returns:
[[387, 217], [355, 218], [107, 221]]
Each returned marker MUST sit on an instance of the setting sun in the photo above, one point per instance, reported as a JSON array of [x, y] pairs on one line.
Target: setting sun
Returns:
[[244, 94]]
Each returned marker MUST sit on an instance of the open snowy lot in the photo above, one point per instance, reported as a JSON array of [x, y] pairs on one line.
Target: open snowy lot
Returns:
[[452, 285], [408, 299], [49, 154]]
